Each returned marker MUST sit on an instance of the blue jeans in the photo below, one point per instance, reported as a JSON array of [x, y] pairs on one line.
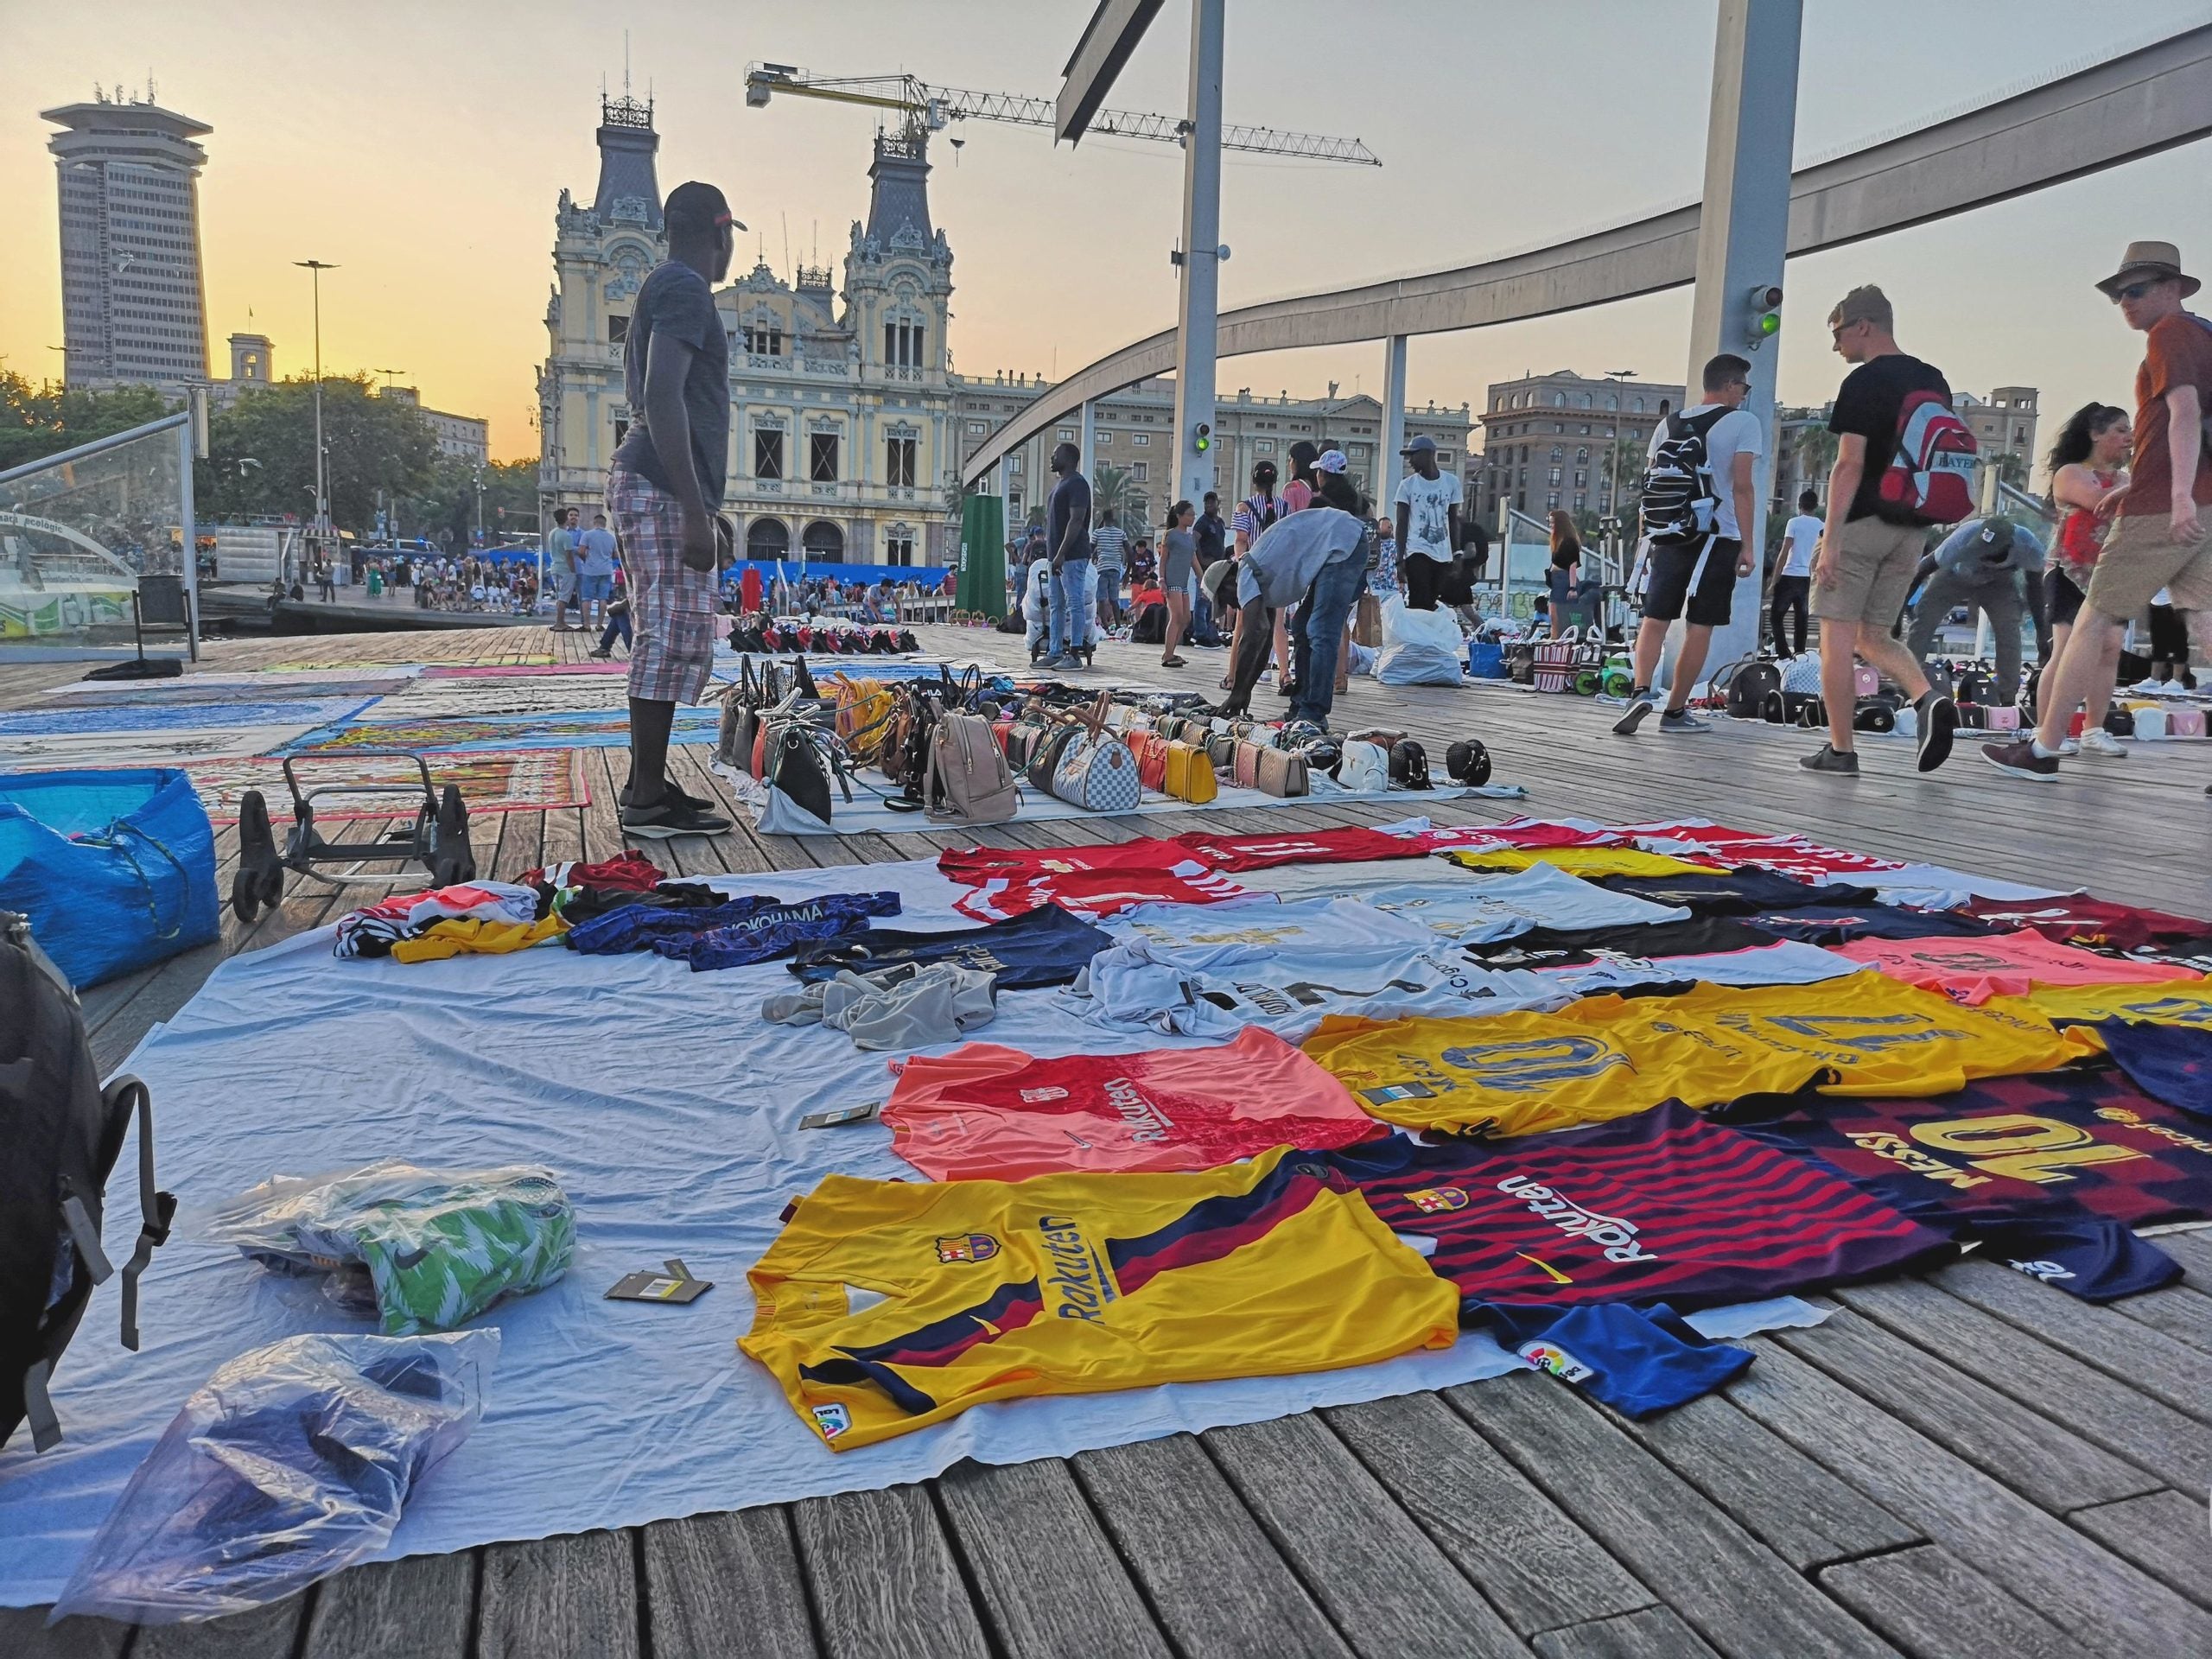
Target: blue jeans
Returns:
[[1317, 635], [1109, 595], [1067, 605], [1201, 629], [617, 622]]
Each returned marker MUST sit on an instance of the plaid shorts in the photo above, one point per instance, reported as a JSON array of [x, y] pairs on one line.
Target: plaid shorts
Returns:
[[674, 609]]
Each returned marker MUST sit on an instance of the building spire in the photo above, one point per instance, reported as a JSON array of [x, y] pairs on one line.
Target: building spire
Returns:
[[898, 194], [629, 185]]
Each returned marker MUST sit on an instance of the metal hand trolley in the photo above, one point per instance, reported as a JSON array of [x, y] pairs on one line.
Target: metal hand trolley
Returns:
[[438, 840]]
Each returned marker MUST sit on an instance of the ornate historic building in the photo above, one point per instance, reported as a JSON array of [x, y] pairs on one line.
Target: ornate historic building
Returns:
[[841, 404]]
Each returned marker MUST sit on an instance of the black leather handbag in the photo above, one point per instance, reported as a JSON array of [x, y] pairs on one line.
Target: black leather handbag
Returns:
[[798, 767]]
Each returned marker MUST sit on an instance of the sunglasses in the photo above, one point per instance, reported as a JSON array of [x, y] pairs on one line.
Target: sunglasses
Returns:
[[2135, 291]]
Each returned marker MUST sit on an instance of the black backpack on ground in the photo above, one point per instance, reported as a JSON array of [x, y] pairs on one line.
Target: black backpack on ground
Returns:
[[1747, 687], [60, 1135], [1151, 627]]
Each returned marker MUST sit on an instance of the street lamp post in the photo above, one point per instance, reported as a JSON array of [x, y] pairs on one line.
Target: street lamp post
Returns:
[[1613, 473], [321, 494]]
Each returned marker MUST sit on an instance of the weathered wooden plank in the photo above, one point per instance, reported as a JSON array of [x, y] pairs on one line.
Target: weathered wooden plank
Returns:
[[1049, 1579], [2194, 1251], [1215, 1581], [419, 1604], [885, 1579], [1537, 1567], [2088, 1403], [569, 1598], [24, 1634], [1388, 1589], [726, 1583], [2162, 1533], [265, 1633], [1731, 1588], [2028, 1452], [2104, 1602], [1935, 1606], [1649, 1633], [2150, 1361], [2183, 1314], [1781, 1497]]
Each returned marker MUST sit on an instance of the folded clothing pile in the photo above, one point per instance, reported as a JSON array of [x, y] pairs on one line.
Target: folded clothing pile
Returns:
[[425, 1250], [905, 1008]]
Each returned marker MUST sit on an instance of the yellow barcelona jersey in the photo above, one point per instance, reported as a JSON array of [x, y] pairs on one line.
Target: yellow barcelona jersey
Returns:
[[1605, 1056], [2074, 1007], [1577, 861], [884, 1305]]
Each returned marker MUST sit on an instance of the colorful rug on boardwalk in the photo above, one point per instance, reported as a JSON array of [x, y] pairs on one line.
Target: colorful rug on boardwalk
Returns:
[[518, 670], [593, 728], [532, 780]]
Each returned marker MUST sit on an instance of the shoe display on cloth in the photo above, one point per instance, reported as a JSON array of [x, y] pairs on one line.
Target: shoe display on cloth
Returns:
[[2020, 760], [673, 815], [1638, 709], [1681, 720], [1939, 721], [2101, 743], [1841, 763]]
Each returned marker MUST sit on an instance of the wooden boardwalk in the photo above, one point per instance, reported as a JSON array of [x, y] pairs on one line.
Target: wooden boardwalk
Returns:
[[1966, 1464]]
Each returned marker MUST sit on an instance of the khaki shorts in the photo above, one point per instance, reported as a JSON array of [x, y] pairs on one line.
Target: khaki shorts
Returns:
[[1877, 559], [2141, 557]]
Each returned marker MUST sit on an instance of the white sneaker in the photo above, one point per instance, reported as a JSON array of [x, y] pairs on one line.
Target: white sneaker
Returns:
[[2102, 744], [2067, 747]]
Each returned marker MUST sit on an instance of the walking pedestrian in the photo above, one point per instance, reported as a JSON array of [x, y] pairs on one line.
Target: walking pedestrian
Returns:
[[595, 558], [1794, 580], [2157, 541], [560, 569], [1067, 534], [1719, 441], [661, 492], [2088, 473], [1179, 558], [1428, 523], [1992, 565], [618, 621], [1867, 556]]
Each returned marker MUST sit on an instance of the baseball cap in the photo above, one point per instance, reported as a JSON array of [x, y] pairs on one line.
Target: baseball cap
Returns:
[[1331, 461], [1421, 445]]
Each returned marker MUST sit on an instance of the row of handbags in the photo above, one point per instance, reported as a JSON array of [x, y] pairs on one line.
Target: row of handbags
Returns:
[[1170, 765]]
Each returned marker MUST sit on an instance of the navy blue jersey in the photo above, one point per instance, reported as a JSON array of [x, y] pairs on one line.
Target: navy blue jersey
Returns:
[[648, 926], [1737, 893], [2168, 1063], [1665, 1205], [1045, 946], [2049, 1168], [1831, 924]]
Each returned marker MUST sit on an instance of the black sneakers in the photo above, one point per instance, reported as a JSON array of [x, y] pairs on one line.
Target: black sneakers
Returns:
[[1639, 707], [2019, 759], [673, 815], [1673, 720], [1939, 720], [1841, 763]]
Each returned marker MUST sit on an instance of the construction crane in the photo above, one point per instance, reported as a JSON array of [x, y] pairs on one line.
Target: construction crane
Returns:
[[932, 109]]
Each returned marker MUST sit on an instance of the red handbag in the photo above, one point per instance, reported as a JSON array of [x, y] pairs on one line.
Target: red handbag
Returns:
[[1151, 751]]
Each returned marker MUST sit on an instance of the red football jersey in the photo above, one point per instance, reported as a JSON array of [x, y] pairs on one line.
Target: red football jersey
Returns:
[[1096, 893], [985, 1112], [1355, 844]]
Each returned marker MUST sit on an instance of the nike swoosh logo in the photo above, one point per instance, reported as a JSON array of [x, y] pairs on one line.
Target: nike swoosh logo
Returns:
[[1556, 1274]]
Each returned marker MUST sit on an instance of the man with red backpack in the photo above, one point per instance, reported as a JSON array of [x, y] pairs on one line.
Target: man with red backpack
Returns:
[[1904, 462], [2159, 539]]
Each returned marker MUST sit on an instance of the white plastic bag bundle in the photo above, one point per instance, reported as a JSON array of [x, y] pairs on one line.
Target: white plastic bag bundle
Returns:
[[292, 1462], [1419, 647]]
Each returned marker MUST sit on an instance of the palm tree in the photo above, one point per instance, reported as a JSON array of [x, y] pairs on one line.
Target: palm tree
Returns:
[[1113, 489]]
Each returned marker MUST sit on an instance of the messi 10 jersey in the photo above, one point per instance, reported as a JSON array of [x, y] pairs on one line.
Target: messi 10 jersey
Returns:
[[1605, 1056], [885, 1305], [1661, 1207]]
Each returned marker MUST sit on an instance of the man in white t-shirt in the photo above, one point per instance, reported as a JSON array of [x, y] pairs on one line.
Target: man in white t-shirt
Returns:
[[1428, 524], [1696, 581], [1801, 539]]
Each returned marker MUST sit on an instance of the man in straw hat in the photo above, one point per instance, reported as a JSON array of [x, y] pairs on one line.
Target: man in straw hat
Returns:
[[2158, 540]]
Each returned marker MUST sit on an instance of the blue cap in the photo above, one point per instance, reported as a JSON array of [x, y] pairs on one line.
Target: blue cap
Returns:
[[1421, 445]]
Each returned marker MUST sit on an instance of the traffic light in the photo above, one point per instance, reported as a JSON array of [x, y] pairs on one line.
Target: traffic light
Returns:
[[1202, 437], [1765, 321]]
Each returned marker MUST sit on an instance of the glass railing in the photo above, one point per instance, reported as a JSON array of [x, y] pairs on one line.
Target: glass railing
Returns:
[[98, 547]]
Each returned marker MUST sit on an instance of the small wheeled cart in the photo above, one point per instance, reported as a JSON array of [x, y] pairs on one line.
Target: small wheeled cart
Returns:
[[438, 839]]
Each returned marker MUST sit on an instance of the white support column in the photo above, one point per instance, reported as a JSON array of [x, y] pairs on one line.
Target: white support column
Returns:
[[1392, 469], [1202, 255], [1087, 440], [1743, 235]]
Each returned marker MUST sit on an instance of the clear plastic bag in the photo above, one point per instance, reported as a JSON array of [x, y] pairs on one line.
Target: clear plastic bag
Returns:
[[292, 1462], [425, 1250], [1419, 647]]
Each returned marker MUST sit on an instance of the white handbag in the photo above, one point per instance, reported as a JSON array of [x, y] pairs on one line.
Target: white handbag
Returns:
[[1363, 766]]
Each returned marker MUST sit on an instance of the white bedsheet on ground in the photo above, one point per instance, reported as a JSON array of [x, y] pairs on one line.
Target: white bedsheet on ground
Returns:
[[669, 1111]]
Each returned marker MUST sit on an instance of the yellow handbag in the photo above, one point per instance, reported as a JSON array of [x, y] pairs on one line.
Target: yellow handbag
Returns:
[[1189, 773], [860, 704]]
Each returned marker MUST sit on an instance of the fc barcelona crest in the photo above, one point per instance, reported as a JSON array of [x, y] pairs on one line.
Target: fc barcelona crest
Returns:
[[1434, 1200], [975, 1246]]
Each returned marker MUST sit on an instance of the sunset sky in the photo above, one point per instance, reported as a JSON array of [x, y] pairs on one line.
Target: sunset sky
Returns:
[[422, 147]]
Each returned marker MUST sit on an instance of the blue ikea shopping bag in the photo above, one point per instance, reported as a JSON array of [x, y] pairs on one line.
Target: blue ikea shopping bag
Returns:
[[1486, 659], [116, 870]]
